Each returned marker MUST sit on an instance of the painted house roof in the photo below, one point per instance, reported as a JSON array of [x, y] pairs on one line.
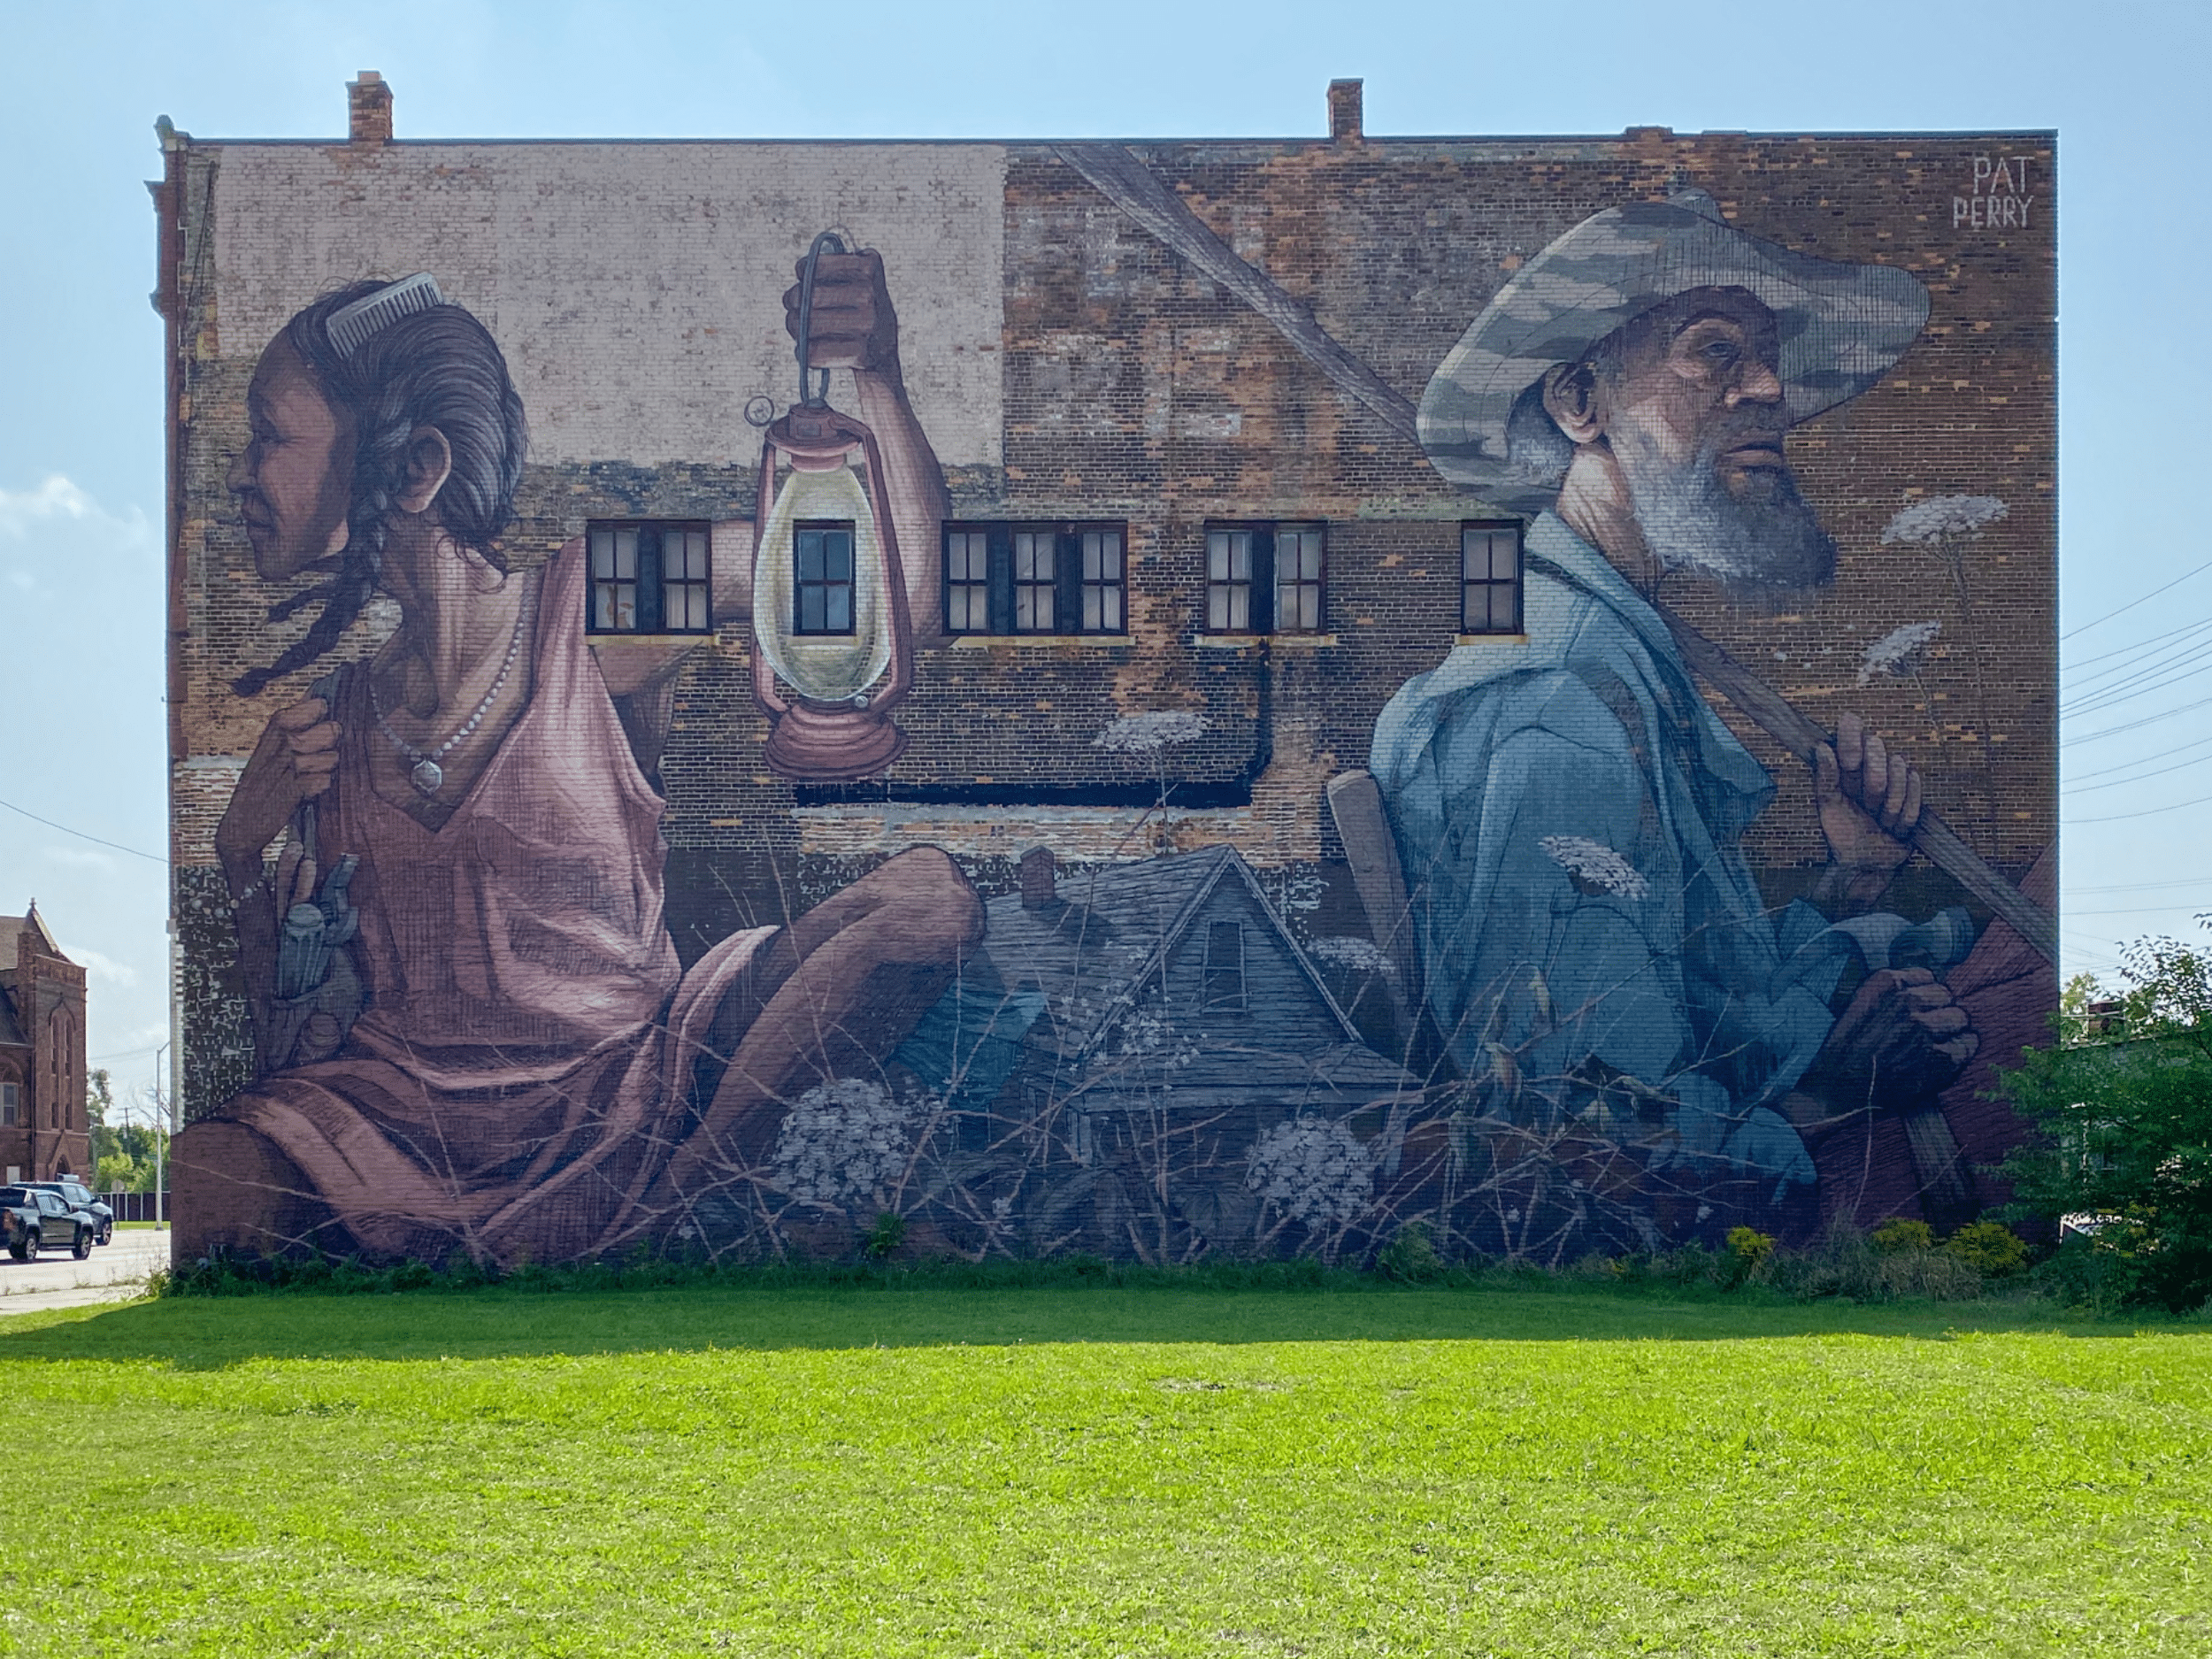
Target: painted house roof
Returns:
[[1095, 996]]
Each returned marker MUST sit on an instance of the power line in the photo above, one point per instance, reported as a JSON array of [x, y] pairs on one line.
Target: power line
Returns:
[[2121, 783], [2141, 645], [2106, 772], [2148, 811], [2133, 725], [2145, 886], [2136, 658], [2156, 677], [2139, 910], [80, 835], [2132, 603]]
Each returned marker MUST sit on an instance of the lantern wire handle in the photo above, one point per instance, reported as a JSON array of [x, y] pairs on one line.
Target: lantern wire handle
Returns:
[[811, 395]]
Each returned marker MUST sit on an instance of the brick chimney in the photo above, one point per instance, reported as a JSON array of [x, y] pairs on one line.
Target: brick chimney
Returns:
[[1344, 112], [368, 110], [1038, 872]]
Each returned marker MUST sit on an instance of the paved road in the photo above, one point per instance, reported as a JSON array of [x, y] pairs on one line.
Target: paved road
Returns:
[[56, 1279]]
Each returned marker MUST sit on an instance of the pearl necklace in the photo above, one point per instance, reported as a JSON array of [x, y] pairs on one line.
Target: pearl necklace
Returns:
[[427, 775]]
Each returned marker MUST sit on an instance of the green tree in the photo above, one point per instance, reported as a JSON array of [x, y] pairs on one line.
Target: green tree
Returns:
[[2123, 1108], [99, 1101], [123, 1154]]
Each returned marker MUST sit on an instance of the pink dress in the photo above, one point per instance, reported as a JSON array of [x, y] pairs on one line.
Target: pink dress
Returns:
[[523, 1059]]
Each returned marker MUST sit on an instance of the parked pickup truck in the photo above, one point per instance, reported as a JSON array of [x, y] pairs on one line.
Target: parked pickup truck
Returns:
[[77, 1195], [32, 1220]]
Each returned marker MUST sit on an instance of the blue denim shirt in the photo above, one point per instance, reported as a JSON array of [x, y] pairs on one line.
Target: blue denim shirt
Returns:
[[1568, 812]]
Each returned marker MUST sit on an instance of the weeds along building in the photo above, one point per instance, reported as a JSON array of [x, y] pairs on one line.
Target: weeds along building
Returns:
[[677, 648]]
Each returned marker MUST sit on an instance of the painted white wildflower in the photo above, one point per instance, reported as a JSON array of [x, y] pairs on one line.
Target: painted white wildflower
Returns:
[[1148, 733], [1597, 863], [1313, 1172], [1355, 954], [845, 1141], [1941, 518], [1898, 651]]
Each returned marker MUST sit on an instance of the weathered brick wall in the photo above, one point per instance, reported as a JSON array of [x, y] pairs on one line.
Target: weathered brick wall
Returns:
[[1066, 366]]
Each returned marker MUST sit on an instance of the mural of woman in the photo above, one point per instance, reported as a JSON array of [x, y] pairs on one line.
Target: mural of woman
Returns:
[[473, 1028]]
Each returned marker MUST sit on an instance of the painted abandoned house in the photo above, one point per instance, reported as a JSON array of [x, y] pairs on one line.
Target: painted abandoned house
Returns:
[[1155, 698], [1121, 1037]]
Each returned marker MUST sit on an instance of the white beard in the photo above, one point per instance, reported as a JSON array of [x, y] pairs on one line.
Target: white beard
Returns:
[[1765, 553]]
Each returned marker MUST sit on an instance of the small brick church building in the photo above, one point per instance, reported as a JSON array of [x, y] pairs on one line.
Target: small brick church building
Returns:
[[43, 1133]]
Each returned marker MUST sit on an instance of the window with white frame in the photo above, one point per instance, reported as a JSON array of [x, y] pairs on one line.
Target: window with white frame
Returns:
[[648, 576], [11, 1106]]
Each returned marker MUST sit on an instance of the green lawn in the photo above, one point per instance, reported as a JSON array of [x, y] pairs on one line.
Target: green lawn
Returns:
[[1104, 1472]]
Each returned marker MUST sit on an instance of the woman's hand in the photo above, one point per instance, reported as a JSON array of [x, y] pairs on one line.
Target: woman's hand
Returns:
[[852, 325], [293, 764]]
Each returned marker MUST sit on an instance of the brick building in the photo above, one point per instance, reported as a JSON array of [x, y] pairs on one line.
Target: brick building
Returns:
[[1188, 402], [43, 1132]]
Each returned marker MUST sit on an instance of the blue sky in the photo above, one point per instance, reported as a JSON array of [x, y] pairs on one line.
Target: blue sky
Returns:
[[80, 437]]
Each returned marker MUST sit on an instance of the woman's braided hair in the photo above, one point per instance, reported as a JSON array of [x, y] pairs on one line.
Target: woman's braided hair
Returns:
[[438, 367]]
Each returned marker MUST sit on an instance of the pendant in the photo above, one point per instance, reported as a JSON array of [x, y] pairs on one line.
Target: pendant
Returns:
[[426, 776]]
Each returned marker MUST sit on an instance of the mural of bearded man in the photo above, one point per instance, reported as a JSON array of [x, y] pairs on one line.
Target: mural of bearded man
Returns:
[[1567, 809]]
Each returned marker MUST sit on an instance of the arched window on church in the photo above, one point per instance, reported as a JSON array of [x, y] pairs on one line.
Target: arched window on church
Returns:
[[61, 1031]]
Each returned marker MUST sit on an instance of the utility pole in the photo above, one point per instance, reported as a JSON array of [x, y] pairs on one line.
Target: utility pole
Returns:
[[161, 1134]]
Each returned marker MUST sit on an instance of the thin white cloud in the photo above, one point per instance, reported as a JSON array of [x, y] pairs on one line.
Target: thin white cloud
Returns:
[[82, 856], [106, 969], [55, 498]]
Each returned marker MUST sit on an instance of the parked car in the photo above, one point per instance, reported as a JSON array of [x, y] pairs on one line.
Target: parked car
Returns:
[[77, 1195], [81, 1197], [34, 1219]]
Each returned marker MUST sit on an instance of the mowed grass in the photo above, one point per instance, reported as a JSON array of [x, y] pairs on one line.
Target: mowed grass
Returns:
[[1101, 1472]]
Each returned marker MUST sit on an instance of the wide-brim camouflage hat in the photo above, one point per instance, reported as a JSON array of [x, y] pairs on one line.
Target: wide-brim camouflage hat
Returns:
[[1842, 325]]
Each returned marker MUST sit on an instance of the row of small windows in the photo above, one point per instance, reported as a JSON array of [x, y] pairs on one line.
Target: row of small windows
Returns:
[[1018, 578]]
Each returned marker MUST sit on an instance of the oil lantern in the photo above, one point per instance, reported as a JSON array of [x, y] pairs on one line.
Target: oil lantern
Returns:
[[834, 643]]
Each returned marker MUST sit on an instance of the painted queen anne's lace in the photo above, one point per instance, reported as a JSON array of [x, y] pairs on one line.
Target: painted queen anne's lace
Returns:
[[1898, 651], [844, 1141], [1144, 733], [1941, 518], [1313, 1172], [1596, 863], [1356, 954]]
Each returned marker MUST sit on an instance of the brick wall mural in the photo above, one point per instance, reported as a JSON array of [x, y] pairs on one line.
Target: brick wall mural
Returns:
[[1159, 700]]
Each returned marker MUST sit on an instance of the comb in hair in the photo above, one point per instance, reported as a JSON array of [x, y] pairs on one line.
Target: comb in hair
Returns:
[[351, 327]]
